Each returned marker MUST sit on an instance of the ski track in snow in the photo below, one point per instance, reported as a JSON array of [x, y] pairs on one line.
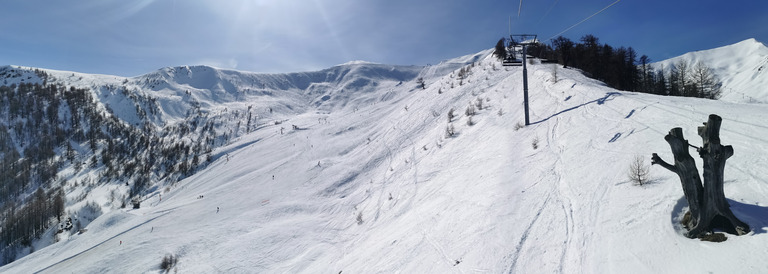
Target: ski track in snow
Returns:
[[561, 186], [524, 236], [557, 149]]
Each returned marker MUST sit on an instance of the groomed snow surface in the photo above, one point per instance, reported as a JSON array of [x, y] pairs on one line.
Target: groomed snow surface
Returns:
[[378, 187]]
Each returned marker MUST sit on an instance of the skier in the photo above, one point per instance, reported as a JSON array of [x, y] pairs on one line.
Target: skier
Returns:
[[217, 209]]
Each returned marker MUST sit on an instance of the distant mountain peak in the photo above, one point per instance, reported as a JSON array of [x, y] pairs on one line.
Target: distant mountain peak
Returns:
[[742, 68], [744, 47]]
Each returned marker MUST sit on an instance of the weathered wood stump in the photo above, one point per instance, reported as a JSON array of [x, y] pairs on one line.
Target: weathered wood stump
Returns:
[[685, 167], [708, 207]]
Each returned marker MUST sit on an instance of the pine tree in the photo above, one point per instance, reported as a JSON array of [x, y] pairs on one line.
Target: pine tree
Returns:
[[646, 76], [632, 73], [673, 81], [590, 55], [660, 83], [58, 204], [563, 46], [248, 123], [500, 50]]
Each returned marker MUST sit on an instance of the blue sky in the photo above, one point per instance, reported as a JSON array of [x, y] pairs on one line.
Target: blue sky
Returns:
[[133, 37]]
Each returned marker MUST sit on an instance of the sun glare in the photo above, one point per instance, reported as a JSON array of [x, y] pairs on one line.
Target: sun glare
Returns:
[[126, 9]]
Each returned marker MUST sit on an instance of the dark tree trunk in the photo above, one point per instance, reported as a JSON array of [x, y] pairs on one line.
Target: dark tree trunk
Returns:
[[708, 207], [714, 204], [685, 167]]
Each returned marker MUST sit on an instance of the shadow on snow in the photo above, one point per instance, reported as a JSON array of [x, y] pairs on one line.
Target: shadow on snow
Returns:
[[754, 215], [608, 96]]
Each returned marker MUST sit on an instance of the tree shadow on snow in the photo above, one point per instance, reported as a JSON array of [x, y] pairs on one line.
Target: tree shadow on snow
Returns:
[[655, 180], [608, 96], [754, 215], [647, 183], [630, 114]]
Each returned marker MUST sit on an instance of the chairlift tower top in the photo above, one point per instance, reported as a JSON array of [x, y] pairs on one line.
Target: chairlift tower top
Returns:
[[525, 39]]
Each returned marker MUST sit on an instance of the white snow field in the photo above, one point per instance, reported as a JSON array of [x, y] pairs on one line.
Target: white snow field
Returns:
[[371, 183]]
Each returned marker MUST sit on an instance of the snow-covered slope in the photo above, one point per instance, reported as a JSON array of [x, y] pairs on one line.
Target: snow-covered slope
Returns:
[[381, 188], [742, 68], [165, 123], [175, 115]]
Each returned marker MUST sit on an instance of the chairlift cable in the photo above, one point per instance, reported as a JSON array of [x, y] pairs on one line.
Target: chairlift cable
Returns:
[[585, 19], [548, 11]]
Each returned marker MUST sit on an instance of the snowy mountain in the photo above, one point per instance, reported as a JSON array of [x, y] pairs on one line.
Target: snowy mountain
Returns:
[[373, 176], [741, 67], [100, 142]]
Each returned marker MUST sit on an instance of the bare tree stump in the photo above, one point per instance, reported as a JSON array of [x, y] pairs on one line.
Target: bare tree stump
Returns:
[[685, 168], [714, 204], [708, 207]]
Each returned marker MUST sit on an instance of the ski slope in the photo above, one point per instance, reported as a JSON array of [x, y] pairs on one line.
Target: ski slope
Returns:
[[376, 186]]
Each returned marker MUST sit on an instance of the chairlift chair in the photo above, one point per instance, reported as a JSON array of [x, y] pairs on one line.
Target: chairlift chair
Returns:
[[511, 59], [547, 61], [511, 62]]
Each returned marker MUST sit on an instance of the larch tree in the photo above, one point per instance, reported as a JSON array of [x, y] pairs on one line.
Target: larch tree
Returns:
[[706, 82]]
